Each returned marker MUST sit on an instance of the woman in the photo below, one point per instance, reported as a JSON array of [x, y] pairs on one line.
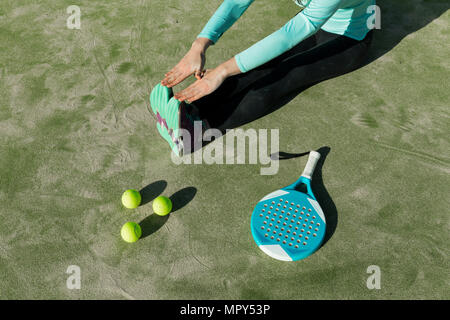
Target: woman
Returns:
[[325, 39]]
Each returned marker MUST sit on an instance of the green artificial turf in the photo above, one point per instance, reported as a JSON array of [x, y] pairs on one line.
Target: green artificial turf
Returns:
[[76, 131]]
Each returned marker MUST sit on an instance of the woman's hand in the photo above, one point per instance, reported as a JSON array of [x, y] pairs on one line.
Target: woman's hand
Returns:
[[211, 80], [192, 63]]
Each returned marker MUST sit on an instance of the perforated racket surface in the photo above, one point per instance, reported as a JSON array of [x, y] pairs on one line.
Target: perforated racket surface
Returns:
[[289, 224]]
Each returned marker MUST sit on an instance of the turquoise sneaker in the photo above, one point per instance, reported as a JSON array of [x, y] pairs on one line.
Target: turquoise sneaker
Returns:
[[173, 117], [159, 100]]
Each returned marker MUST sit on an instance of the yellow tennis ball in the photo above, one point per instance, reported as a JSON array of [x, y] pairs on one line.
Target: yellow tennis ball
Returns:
[[162, 206], [131, 199], [131, 232]]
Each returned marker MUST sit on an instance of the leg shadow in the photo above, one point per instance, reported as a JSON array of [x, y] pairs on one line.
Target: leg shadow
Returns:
[[182, 197], [323, 197], [151, 191]]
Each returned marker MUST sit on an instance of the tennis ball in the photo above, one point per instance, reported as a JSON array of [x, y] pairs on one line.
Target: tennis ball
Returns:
[[162, 206], [131, 199], [131, 232]]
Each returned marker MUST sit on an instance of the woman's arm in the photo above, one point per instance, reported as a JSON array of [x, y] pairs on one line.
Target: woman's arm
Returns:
[[302, 26], [224, 17], [194, 61]]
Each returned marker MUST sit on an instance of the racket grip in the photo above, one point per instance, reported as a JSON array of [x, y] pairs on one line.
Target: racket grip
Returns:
[[314, 157]]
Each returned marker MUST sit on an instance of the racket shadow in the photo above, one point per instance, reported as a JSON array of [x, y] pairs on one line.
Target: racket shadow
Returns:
[[323, 197]]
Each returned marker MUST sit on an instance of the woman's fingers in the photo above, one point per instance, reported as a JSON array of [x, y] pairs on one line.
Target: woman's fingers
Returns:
[[210, 81], [175, 76], [191, 64], [182, 95], [202, 73], [171, 79], [192, 93], [198, 74], [167, 77], [171, 76], [196, 97]]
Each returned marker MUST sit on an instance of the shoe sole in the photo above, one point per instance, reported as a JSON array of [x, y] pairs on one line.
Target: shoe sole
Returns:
[[167, 110]]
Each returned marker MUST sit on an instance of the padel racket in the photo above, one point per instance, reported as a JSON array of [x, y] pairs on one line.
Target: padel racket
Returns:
[[289, 224]]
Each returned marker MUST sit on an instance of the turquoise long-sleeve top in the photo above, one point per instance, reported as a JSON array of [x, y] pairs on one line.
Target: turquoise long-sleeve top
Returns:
[[344, 17]]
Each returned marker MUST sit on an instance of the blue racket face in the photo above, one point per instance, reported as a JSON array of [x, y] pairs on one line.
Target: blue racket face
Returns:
[[288, 225]]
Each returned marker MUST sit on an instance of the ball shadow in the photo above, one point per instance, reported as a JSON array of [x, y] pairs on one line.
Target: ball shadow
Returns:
[[152, 223], [179, 199], [182, 197], [151, 191]]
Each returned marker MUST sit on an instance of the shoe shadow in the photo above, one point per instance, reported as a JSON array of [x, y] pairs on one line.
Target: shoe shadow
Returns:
[[151, 191], [179, 199]]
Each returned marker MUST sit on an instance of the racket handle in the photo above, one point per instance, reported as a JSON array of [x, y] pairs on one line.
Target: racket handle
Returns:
[[314, 156]]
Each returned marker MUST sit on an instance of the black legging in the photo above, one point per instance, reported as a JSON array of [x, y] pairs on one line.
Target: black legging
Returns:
[[249, 96]]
